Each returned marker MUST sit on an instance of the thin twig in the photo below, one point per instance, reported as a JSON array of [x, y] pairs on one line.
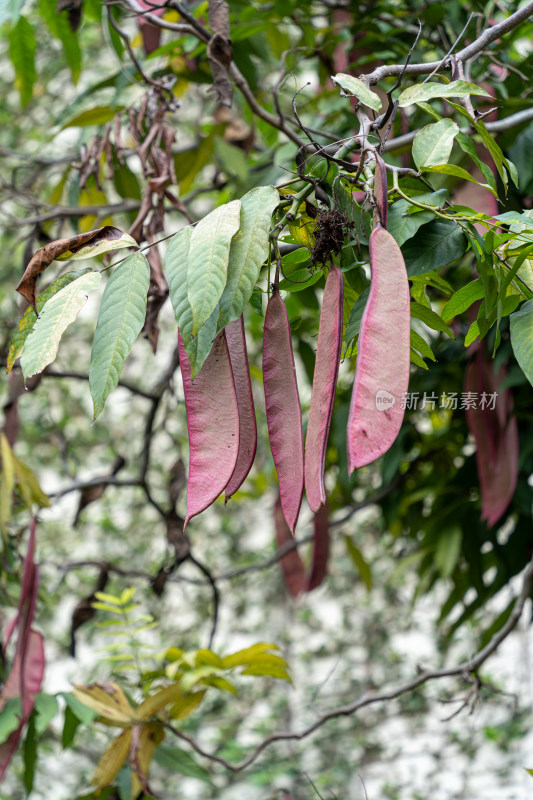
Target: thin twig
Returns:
[[468, 667]]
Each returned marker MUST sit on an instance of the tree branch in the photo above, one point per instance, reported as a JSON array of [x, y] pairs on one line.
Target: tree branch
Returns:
[[489, 35], [465, 668]]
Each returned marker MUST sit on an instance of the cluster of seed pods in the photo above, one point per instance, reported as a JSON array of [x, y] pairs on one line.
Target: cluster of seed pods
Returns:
[[220, 409]]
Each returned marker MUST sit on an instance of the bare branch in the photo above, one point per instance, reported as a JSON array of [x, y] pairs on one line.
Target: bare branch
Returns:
[[466, 668], [489, 35]]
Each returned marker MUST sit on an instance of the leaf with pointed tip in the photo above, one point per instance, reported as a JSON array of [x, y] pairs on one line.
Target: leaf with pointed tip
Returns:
[[522, 338], [354, 86], [59, 312], [433, 144], [28, 318], [208, 260], [428, 91], [248, 251], [22, 47], [81, 246], [119, 323], [176, 265]]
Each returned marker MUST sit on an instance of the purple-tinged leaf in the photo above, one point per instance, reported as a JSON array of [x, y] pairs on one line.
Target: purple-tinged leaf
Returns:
[[291, 563], [236, 342], [283, 412], [319, 567], [213, 424], [328, 351], [382, 371]]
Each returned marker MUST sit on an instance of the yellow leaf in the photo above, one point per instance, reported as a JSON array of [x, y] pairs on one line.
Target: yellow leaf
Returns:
[[186, 704], [108, 700], [29, 486], [246, 656], [208, 657], [302, 231], [144, 741], [111, 762], [157, 701], [7, 481]]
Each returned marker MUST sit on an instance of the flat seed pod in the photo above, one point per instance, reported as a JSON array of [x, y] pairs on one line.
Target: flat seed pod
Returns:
[[495, 432], [319, 567], [213, 425], [292, 566], [380, 192], [283, 412], [382, 372], [328, 351], [243, 389]]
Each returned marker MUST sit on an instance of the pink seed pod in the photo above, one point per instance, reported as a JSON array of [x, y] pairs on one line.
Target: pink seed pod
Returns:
[[243, 389], [292, 566], [382, 371], [213, 425], [495, 432], [283, 411], [380, 193], [319, 567], [328, 351]]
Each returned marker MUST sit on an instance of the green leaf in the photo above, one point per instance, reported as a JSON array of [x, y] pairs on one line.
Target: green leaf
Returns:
[[10, 717], [120, 321], [177, 760], [522, 338], [268, 670], [249, 249], [28, 318], [22, 47], [59, 27], [356, 314], [176, 263], [107, 242], [59, 312], [448, 551], [208, 260], [98, 115], [435, 245], [429, 318], [353, 86], [458, 172], [362, 566], [420, 344], [403, 225], [463, 299], [433, 143], [30, 754], [416, 359], [472, 334], [429, 91], [46, 707]]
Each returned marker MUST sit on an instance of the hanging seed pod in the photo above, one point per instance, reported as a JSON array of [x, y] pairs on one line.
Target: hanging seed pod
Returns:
[[243, 389], [380, 193], [283, 412], [319, 567], [495, 432], [382, 372], [292, 566], [213, 425], [328, 352]]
